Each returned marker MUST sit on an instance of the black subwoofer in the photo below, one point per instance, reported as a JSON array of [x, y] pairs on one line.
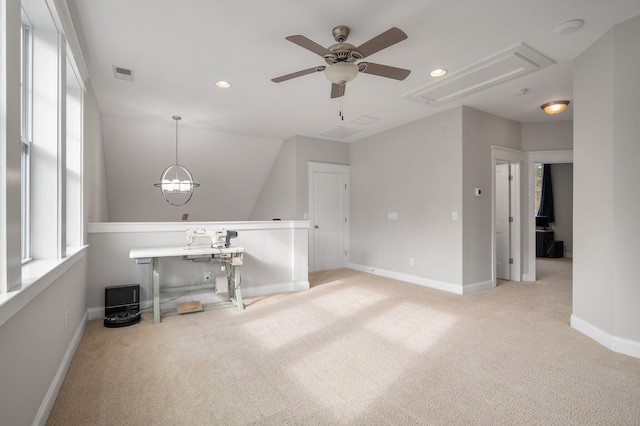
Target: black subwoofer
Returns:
[[554, 249], [121, 305]]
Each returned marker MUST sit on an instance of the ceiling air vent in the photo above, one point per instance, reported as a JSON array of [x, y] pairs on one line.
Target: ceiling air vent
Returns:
[[339, 132], [122, 73], [364, 120], [511, 63]]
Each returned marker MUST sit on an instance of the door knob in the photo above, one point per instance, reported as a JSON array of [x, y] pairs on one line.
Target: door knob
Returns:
[[316, 227]]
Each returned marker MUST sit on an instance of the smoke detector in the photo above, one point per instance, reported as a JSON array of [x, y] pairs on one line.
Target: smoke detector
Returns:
[[569, 27]]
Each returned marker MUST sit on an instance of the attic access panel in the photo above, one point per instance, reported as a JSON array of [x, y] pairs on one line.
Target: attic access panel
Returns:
[[506, 65]]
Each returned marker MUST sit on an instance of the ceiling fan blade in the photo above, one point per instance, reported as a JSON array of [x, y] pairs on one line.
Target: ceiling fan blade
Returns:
[[337, 90], [382, 41], [297, 74], [384, 70], [302, 41]]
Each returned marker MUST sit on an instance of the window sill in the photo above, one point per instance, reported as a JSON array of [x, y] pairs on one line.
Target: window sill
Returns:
[[37, 275]]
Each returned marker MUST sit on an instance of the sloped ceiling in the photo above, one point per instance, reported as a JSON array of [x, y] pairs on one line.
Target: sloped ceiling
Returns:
[[179, 49]]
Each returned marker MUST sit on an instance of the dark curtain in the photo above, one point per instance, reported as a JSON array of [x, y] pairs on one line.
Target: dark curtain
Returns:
[[546, 202]]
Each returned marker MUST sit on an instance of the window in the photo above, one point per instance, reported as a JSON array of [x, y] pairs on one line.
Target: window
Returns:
[[26, 116], [538, 187], [74, 158]]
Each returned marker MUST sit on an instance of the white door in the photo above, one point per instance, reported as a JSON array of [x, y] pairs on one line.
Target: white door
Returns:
[[503, 234], [329, 221]]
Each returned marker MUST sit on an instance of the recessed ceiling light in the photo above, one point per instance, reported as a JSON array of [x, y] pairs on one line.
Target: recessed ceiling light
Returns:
[[438, 72], [223, 84], [521, 92]]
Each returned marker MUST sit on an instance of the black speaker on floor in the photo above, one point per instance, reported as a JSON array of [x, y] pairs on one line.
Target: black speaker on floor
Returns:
[[554, 249], [121, 305]]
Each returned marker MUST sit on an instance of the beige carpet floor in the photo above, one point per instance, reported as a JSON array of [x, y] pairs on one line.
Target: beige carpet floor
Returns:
[[358, 349]]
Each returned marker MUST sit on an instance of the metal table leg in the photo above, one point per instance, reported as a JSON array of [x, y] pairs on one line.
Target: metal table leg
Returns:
[[156, 291], [235, 293]]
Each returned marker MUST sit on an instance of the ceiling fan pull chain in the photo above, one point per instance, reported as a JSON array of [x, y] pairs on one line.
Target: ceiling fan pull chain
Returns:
[[341, 108]]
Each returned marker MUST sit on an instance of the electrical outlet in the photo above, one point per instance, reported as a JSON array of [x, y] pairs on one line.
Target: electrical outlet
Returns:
[[207, 277]]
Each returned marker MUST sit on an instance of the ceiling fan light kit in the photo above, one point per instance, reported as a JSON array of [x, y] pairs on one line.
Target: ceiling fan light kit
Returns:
[[555, 107], [341, 58], [341, 73]]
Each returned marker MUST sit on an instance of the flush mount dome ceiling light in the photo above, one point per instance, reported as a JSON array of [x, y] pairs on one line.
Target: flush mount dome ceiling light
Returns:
[[555, 107], [176, 181]]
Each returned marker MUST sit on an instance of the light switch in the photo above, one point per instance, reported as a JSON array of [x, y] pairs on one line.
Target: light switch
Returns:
[[454, 215], [393, 216]]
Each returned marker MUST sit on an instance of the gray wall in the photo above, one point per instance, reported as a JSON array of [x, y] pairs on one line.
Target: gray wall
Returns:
[[416, 171], [231, 170], [285, 193], [606, 152], [480, 131], [277, 198], [547, 136], [425, 171]]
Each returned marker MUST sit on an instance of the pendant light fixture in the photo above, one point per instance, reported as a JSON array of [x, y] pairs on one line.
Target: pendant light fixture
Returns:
[[176, 182]]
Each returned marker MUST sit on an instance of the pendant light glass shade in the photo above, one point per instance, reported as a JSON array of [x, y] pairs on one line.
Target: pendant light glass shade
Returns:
[[176, 181]]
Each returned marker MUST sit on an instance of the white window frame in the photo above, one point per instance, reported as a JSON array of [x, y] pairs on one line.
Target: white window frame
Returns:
[[535, 191], [26, 134]]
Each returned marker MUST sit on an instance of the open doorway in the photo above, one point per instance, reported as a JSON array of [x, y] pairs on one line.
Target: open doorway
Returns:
[[561, 165], [554, 223]]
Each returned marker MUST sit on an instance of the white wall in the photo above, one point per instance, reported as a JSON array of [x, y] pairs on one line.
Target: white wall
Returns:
[[231, 170], [41, 325], [286, 191], [606, 294], [95, 176], [37, 345], [275, 259]]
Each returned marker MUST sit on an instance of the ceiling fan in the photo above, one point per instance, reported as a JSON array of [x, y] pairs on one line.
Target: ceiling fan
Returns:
[[341, 58]]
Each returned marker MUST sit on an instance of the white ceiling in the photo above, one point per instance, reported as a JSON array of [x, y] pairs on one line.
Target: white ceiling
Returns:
[[179, 49]]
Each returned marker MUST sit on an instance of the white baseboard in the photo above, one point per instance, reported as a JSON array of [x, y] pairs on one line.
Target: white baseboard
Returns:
[[52, 393], [439, 285], [473, 287], [301, 286], [614, 343], [274, 289]]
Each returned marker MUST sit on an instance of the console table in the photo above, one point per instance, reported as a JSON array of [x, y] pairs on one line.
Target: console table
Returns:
[[232, 256]]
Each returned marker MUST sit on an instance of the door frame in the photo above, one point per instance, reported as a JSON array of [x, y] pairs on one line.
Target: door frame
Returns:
[[545, 157], [516, 160], [524, 254], [510, 207], [342, 169]]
